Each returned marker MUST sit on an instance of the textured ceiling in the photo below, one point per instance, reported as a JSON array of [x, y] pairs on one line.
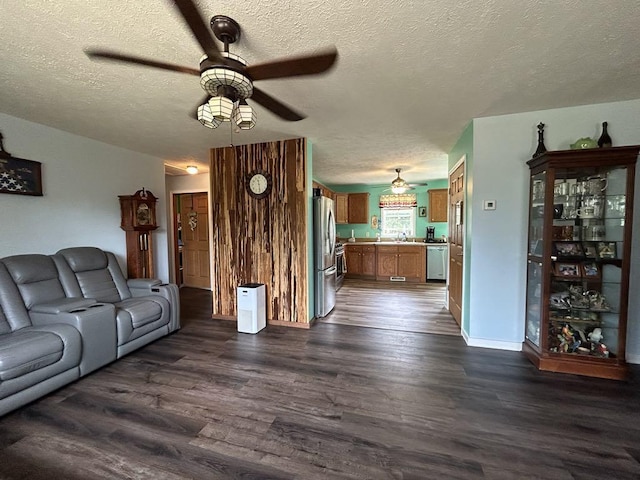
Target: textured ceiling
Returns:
[[410, 76]]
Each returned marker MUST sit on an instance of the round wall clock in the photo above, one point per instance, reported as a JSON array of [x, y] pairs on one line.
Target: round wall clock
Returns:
[[259, 184]]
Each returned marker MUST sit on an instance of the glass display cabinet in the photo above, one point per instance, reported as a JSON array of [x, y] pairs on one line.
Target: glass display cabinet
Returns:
[[579, 243]]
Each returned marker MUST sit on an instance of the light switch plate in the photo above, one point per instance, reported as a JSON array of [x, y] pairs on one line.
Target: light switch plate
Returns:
[[489, 205]]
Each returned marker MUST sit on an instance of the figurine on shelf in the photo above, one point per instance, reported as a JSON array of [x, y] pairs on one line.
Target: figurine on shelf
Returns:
[[541, 148], [604, 140], [597, 302], [596, 336], [577, 297], [560, 300], [571, 337]]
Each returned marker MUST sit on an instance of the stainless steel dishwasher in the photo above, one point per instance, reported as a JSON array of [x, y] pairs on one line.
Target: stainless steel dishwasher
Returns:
[[437, 262]]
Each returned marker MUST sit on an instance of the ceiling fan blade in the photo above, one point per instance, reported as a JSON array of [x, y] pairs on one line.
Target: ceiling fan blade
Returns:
[[293, 66], [276, 107], [118, 57], [198, 26]]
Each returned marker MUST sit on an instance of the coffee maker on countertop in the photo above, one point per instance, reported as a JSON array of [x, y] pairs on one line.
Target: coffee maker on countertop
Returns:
[[431, 235]]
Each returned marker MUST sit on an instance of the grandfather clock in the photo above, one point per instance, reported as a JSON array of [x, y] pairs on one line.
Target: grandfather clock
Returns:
[[138, 220]]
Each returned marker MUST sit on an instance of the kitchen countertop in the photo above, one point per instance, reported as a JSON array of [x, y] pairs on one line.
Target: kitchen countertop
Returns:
[[399, 244]]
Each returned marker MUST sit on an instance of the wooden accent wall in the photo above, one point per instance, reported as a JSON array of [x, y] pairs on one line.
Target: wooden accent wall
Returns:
[[262, 241]]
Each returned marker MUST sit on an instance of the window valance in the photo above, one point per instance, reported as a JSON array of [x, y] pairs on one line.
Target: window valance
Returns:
[[402, 200]]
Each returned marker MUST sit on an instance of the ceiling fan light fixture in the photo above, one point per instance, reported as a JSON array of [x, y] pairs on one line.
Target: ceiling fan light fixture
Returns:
[[221, 108], [245, 116], [192, 169], [213, 78], [399, 185], [205, 117]]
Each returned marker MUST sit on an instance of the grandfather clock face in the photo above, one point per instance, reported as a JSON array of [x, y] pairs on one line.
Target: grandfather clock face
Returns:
[[138, 211], [143, 215]]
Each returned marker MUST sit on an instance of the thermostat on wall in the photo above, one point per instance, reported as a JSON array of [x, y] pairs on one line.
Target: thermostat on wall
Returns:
[[489, 205]]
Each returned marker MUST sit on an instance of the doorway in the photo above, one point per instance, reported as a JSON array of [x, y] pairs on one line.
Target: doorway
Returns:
[[456, 239], [191, 233]]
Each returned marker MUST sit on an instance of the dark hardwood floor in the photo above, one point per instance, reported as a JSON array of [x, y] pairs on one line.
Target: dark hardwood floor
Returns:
[[335, 401]]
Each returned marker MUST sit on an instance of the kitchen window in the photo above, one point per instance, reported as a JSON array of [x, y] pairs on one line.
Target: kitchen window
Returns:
[[396, 221]]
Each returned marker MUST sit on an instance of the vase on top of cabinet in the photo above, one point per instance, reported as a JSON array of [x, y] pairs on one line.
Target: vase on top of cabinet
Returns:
[[579, 244]]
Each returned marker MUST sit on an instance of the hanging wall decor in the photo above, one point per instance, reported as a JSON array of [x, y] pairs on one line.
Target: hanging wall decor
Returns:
[[19, 176], [193, 220]]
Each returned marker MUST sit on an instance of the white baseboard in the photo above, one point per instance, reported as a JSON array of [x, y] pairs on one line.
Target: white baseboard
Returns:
[[495, 344], [635, 359]]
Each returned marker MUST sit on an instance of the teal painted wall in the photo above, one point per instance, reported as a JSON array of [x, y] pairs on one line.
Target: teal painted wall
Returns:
[[362, 230], [464, 147]]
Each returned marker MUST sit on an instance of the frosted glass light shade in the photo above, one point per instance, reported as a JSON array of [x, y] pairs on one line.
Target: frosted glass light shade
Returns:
[[244, 116], [192, 169], [221, 108], [205, 117]]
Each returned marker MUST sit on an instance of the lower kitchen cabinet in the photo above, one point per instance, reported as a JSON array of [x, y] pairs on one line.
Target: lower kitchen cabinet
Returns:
[[397, 262], [361, 261]]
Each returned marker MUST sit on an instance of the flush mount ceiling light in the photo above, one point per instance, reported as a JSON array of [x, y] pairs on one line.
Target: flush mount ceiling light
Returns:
[[192, 169]]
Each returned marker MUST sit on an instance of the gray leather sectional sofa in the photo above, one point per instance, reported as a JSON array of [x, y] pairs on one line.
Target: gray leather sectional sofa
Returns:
[[63, 316]]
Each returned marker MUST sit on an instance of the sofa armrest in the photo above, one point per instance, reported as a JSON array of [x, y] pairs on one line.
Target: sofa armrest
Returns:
[[63, 305], [145, 283], [97, 326]]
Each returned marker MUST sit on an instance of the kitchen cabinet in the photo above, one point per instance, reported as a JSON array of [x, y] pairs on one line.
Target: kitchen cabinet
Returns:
[[342, 207], [580, 217], [323, 190], [438, 202], [361, 261], [401, 261], [358, 208]]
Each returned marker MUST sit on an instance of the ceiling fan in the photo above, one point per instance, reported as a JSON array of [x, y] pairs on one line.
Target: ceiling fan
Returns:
[[399, 185], [225, 77]]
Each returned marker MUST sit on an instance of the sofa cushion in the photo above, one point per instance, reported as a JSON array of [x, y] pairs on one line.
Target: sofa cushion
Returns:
[[36, 277], [14, 312], [139, 311], [98, 284], [81, 259], [25, 351]]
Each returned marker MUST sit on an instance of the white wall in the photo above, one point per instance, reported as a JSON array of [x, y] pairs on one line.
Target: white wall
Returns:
[[502, 145], [82, 179]]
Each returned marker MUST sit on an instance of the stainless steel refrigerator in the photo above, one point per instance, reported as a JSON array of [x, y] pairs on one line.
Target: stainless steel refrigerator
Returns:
[[324, 244]]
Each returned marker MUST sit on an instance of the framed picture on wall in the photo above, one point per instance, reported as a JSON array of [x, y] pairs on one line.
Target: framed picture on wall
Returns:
[[19, 176], [422, 211]]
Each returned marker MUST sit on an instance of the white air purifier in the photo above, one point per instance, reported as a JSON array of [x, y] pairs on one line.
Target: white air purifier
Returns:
[[252, 313]]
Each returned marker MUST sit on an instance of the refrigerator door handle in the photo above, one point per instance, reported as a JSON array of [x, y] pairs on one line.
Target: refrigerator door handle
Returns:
[[330, 271]]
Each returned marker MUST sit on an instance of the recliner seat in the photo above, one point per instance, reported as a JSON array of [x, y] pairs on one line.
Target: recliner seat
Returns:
[[93, 273]]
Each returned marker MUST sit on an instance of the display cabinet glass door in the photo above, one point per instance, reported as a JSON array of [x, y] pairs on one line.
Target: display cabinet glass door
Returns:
[[586, 272]]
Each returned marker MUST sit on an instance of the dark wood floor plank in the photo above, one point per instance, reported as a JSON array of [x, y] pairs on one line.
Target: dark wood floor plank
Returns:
[[336, 401]]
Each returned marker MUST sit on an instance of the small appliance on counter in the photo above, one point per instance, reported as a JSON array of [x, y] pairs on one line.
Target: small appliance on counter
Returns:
[[431, 235]]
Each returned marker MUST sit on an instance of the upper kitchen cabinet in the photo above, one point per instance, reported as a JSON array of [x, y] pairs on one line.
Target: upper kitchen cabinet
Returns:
[[342, 207], [358, 208], [438, 205]]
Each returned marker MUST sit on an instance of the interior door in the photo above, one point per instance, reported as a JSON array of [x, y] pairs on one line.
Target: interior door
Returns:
[[456, 241], [195, 236]]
